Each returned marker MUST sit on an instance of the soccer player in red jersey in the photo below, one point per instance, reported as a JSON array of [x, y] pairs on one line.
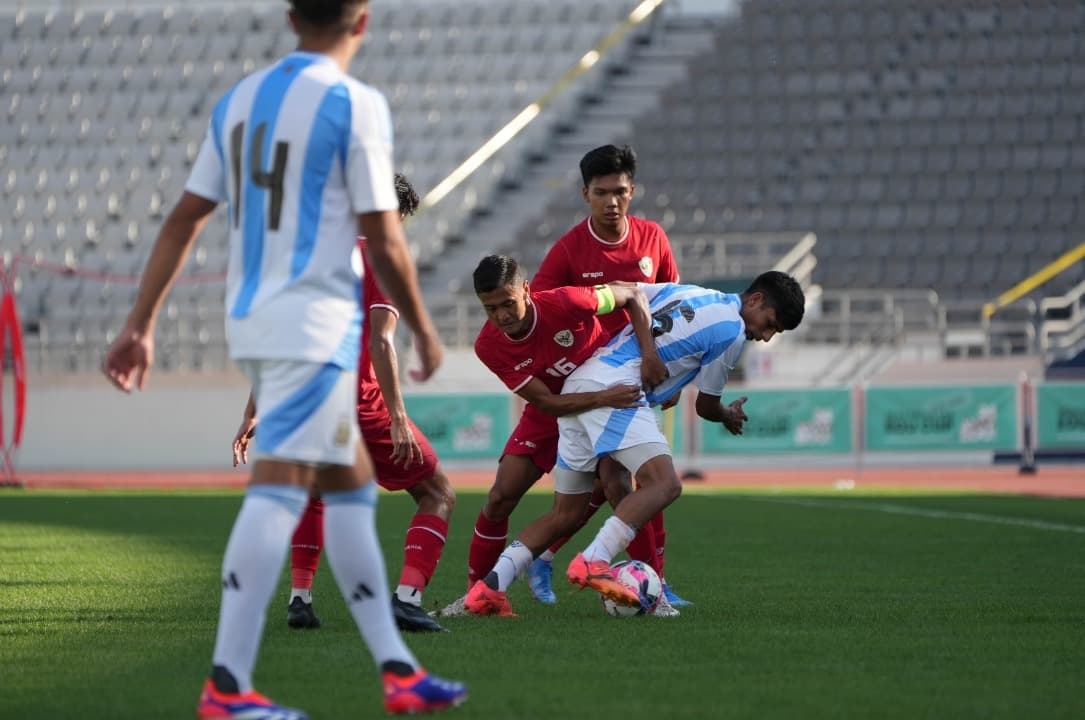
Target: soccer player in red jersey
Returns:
[[610, 244], [403, 459], [532, 341]]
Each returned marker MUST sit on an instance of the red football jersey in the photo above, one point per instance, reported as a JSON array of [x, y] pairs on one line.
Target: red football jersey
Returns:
[[580, 257], [369, 392], [564, 333]]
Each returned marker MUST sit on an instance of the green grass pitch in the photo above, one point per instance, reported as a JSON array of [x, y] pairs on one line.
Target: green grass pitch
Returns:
[[807, 606]]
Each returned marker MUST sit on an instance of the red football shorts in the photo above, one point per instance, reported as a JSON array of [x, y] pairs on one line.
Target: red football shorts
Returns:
[[535, 435], [376, 427]]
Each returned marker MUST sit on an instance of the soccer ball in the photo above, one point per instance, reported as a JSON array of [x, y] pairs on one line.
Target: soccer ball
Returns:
[[641, 578]]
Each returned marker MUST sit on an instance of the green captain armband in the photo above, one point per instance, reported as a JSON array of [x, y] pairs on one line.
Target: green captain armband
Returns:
[[606, 299]]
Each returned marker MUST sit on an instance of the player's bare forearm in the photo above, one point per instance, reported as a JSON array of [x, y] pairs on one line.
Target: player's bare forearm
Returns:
[[731, 416], [710, 408], [385, 359], [629, 296], [571, 404], [167, 258], [245, 433], [653, 370], [620, 396], [392, 261]]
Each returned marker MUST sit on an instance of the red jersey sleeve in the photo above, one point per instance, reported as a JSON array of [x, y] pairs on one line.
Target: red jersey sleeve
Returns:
[[492, 348], [573, 300], [668, 268], [556, 270], [372, 294]]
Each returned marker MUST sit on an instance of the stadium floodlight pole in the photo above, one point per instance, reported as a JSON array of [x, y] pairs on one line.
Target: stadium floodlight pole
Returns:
[[523, 118], [1035, 280]]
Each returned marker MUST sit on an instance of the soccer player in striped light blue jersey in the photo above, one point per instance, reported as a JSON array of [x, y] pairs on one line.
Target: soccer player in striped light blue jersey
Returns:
[[302, 155], [699, 336]]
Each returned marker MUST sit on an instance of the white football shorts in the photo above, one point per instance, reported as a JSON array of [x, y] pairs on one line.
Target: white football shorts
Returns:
[[584, 438], [306, 411]]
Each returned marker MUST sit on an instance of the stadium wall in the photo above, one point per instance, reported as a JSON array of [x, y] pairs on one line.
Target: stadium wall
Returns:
[[179, 422], [78, 423]]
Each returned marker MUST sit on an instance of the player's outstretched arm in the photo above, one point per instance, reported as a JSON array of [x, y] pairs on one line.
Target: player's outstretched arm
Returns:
[[131, 355], [382, 353], [391, 259], [711, 408], [628, 295], [619, 396], [245, 432]]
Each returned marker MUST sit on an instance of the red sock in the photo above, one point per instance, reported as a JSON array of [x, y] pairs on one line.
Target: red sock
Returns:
[[643, 547], [486, 546], [660, 532], [422, 549], [306, 545], [598, 499]]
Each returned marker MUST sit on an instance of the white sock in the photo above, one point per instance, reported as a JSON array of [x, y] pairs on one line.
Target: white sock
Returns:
[[610, 540], [251, 566], [512, 563], [547, 556], [409, 594], [353, 551], [305, 595]]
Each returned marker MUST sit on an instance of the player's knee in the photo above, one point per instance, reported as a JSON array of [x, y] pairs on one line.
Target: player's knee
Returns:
[[499, 505], [672, 488], [616, 491], [443, 488], [439, 498], [434, 495], [568, 512], [565, 520]]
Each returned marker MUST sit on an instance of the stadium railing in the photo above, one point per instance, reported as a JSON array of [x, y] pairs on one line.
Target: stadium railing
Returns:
[[1062, 332]]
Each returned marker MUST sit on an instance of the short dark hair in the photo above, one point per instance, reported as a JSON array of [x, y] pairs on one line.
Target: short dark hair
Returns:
[[608, 160], [495, 272], [783, 294], [326, 14], [408, 198]]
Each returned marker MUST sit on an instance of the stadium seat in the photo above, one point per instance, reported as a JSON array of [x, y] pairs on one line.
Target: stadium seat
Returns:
[[881, 121]]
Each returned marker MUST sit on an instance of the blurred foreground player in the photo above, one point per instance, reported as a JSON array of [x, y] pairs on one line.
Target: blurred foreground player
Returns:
[[302, 153], [402, 457]]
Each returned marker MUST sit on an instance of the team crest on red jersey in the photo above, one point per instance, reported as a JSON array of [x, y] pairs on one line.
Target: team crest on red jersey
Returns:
[[564, 338], [645, 266]]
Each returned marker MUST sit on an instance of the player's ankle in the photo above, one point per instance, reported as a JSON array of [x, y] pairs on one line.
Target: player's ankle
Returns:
[[397, 668]]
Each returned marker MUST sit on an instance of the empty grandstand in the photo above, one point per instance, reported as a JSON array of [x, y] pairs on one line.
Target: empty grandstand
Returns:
[[935, 151]]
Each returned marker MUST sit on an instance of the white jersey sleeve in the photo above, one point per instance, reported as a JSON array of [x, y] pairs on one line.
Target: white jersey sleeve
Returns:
[[208, 176], [699, 334], [713, 376], [369, 153]]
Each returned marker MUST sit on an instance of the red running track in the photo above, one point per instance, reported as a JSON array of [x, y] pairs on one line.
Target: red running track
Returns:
[[1052, 481]]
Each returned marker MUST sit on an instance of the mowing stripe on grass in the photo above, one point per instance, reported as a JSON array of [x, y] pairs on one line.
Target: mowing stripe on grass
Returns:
[[921, 512]]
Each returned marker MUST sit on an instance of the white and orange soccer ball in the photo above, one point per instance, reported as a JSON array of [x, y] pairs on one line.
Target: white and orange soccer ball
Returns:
[[643, 580]]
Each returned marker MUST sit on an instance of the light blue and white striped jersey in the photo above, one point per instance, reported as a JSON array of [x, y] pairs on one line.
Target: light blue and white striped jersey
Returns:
[[297, 150], [699, 334]]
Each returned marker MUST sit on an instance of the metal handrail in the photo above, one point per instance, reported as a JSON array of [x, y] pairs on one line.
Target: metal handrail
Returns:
[[1063, 337]]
